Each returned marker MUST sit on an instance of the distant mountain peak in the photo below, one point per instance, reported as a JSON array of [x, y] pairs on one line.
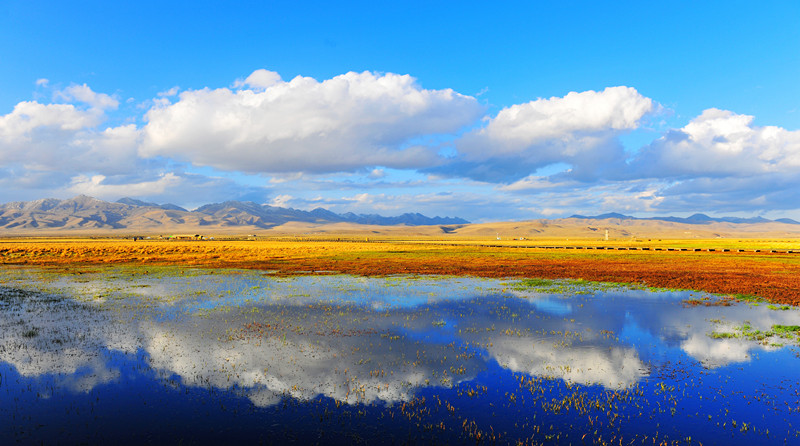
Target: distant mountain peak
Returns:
[[134, 202], [694, 219]]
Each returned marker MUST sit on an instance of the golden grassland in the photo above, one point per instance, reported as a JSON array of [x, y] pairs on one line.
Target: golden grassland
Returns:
[[774, 276]]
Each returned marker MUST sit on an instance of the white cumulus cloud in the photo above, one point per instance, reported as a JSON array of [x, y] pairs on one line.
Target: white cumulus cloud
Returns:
[[580, 129], [30, 117], [259, 79], [720, 161], [522, 125], [350, 122], [65, 136], [720, 143], [82, 93]]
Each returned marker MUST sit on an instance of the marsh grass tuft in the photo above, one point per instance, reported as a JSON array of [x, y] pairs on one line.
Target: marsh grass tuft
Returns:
[[746, 331], [786, 329]]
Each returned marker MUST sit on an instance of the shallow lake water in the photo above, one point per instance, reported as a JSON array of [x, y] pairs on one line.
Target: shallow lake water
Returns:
[[170, 355]]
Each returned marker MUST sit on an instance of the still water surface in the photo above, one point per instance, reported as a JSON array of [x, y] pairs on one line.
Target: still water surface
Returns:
[[200, 356]]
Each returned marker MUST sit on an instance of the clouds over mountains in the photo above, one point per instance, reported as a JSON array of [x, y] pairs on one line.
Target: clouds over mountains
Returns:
[[559, 152]]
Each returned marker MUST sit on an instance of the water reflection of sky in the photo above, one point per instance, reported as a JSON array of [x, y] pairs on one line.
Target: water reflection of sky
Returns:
[[373, 341]]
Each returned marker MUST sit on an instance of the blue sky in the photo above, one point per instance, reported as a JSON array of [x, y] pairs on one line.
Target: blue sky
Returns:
[[513, 111]]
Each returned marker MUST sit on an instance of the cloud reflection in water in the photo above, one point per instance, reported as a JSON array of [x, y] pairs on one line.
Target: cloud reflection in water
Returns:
[[356, 340]]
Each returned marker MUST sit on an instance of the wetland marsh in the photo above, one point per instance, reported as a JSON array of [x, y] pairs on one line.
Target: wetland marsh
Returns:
[[170, 354]]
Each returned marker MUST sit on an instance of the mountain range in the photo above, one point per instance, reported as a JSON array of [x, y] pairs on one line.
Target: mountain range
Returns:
[[89, 216], [87, 213], [696, 219]]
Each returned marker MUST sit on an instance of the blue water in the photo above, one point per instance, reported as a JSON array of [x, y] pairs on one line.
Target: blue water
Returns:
[[198, 357]]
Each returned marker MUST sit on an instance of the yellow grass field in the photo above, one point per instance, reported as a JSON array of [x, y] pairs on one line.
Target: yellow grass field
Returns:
[[707, 265]]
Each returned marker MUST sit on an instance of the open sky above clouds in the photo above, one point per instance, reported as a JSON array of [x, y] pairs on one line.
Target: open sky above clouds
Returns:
[[516, 111]]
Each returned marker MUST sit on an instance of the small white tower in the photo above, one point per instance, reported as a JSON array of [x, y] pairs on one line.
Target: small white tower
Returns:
[[606, 234]]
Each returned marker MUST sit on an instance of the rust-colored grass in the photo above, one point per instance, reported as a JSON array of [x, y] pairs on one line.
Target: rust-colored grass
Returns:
[[773, 276]]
